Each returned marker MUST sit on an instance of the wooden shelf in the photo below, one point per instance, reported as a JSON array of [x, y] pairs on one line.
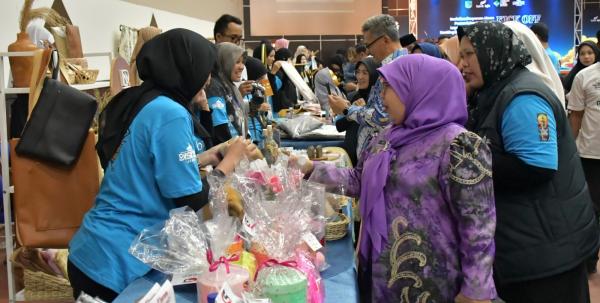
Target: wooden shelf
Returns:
[[99, 84], [25, 90], [16, 90]]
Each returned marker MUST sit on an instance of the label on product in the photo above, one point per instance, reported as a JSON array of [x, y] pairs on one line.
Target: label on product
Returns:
[[312, 241], [249, 225], [181, 279], [226, 295]]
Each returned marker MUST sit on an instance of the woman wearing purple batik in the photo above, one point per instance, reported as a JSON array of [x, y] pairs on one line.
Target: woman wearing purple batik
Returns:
[[426, 192]]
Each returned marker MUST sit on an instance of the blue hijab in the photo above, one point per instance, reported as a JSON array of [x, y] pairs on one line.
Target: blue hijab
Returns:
[[429, 49]]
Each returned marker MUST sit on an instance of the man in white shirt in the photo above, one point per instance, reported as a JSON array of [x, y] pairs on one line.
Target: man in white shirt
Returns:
[[584, 103]]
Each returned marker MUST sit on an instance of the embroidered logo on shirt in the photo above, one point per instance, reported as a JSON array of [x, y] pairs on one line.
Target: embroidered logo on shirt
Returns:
[[188, 155], [218, 105], [543, 128]]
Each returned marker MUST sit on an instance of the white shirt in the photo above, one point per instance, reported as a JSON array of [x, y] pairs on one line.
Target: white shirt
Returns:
[[585, 96]]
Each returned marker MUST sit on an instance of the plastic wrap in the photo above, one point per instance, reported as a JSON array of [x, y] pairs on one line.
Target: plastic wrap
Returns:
[[224, 246], [175, 247], [281, 282], [300, 125]]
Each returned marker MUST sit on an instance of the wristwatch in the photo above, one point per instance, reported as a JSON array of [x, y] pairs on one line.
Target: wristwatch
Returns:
[[345, 111]]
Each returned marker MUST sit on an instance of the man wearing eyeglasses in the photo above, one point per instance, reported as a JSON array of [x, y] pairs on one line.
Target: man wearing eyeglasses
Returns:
[[228, 28], [381, 38]]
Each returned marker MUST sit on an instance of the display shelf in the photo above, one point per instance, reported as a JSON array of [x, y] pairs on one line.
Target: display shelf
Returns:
[[7, 188]]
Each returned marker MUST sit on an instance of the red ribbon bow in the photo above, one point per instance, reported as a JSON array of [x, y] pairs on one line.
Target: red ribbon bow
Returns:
[[273, 262], [214, 265]]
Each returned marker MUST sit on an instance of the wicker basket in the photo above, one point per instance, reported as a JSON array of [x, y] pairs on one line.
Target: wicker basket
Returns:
[[337, 230], [86, 76], [42, 286]]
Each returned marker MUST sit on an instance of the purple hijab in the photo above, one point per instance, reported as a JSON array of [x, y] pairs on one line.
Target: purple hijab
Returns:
[[433, 92]]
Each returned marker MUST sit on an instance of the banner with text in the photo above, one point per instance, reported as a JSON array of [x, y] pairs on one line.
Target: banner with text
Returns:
[[436, 17]]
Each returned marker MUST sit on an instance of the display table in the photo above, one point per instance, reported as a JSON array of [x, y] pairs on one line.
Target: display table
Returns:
[[340, 277], [304, 144]]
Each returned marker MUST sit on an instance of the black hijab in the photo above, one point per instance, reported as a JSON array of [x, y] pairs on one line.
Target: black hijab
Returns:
[[372, 67], [283, 54], [498, 49], [568, 82], [501, 56], [255, 68], [175, 64], [258, 51]]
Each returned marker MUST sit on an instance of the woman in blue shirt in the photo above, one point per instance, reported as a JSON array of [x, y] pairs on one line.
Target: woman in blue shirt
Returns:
[[148, 144], [225, 101]]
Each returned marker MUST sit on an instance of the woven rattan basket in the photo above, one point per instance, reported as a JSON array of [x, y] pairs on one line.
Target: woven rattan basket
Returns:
[[86, 76], [337, 230], [42, 286]]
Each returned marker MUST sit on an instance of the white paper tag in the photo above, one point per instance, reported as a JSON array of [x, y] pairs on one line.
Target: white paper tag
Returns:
[[249, 225], [166, 293], [312, 241], [181, 279], [147, 298], [226, 295]]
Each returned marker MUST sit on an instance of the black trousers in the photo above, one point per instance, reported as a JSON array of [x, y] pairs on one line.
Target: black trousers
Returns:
[[567, 287], [591, 169], [81, 282]]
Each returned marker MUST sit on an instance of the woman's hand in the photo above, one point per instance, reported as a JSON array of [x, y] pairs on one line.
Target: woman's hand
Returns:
[[360, 102], [305, 165], [209, 157], [235, 152], [338, 104], [276, 67], [253, 152], [246, 87], [265, 107]]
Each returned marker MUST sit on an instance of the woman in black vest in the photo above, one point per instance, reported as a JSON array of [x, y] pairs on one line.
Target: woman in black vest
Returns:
[[546, 226], [366, 74]]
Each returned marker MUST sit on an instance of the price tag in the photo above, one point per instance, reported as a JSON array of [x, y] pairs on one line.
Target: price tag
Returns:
[[248, 225], [312, 241]]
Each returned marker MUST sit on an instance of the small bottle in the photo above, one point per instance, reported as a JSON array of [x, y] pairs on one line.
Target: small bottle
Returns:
[[271, 150], [311, 152], [290, 112], [212, 297], [319, 152]]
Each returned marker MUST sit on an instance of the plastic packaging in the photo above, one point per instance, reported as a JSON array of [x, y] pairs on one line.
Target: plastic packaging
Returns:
[[175, 247], [300, 125], [222, 236], [282, 282], [212, 281]]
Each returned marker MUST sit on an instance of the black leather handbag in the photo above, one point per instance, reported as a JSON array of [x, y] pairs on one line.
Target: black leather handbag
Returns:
[[58, 125]]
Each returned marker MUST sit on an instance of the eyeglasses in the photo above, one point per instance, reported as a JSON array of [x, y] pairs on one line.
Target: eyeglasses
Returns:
[[368, 46], [234, 38]]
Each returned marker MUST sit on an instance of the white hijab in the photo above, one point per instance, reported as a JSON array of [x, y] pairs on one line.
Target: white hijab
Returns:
[[541, 64]]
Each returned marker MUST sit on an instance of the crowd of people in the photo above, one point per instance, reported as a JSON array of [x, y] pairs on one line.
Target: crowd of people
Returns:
[[477, 168]]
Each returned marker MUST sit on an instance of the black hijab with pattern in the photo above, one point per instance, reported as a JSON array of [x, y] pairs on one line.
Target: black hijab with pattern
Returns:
[[501, 56], [498, 49]]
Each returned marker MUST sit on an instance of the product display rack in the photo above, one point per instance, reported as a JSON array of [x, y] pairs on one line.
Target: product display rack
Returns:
[[7, 188]]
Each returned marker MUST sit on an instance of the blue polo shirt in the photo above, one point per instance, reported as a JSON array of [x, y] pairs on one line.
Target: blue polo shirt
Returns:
[[155, 164], [529, 131]]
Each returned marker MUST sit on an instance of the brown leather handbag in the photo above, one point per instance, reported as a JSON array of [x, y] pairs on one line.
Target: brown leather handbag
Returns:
[[49, 200]]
